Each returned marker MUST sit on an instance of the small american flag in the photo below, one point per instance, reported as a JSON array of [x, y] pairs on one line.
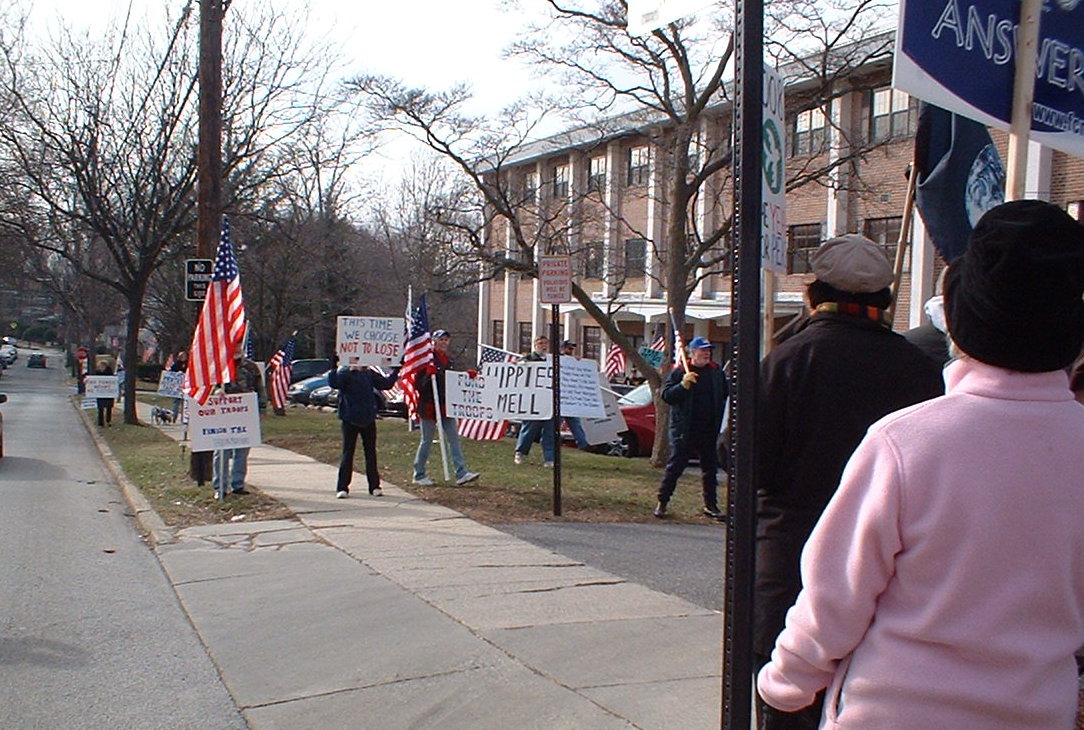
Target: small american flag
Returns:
[[169, 362], [477, 429], [659, 344], [221, 325], [283, 364], [416, 356], [615, 362]]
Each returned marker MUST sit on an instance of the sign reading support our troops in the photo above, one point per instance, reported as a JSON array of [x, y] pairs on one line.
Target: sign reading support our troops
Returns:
[[369, 340], [226, 421], [102, 386]]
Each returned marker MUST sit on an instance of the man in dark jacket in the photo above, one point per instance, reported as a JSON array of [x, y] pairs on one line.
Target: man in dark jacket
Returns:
[[232, 464], [697, 397], [820, 390], [357, 386]]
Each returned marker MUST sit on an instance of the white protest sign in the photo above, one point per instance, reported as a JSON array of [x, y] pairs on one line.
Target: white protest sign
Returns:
[[102, 386], [464, 397], [518, 391], [606, 429], [580, 394], [369, 340], [169, 383], [224, 422]]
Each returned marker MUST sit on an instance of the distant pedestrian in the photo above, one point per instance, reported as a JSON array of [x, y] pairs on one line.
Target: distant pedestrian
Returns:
[[568, 347], [180, 365], [697, 396], [105, 405], [540, 428], [358, 386], [944, 584], [428, 415], [232, 464]]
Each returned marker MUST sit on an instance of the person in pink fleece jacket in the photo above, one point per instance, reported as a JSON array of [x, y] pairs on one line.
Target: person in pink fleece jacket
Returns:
[[944, 583]]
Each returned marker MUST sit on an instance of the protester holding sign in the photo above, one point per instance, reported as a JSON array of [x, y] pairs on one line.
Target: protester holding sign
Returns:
[[427, 411], [105, 405], [180, 364], [357, 412], [234, 462], [530, 431]]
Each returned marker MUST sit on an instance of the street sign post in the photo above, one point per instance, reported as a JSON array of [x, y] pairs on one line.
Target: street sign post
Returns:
[[555, 279], [197, 276]]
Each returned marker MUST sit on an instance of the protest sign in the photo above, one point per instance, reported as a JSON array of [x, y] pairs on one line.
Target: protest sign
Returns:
[[580, 394], [227, 421], [518, 391], [654, 357], [606, 429], [370, 340], [464, 397], [169, 384], [102, 386]]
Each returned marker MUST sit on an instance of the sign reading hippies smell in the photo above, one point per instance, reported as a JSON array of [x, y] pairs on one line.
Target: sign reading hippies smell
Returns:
[[369, 340], [522, 391]]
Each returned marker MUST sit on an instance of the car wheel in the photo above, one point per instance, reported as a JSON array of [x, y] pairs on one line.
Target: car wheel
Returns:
[[632, 448]]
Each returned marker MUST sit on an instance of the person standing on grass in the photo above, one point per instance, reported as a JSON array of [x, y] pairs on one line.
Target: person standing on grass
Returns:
[[531, 431], [427, 412], [357, 386], [180, 365], [575, 427]]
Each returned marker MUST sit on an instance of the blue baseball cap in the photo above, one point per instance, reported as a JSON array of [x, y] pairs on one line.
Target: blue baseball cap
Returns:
[[699, 343], [440, 333]]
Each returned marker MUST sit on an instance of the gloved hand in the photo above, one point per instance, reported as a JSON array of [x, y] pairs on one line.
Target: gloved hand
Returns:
[[431, 369], [472, 373], [688, 380]]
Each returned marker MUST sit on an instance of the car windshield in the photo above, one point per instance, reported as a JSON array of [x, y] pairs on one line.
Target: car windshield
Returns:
[[638, 396]]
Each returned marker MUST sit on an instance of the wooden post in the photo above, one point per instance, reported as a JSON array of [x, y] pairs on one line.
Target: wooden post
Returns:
[[1023, 93]]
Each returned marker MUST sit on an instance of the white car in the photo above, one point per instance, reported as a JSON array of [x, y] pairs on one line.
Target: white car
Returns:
[[9, 354]]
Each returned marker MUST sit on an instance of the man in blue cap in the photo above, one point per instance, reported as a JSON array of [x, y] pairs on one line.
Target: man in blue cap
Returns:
[[697, 394]]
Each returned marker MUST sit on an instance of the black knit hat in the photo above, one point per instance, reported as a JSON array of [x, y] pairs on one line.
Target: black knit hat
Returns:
[[1013, 299]]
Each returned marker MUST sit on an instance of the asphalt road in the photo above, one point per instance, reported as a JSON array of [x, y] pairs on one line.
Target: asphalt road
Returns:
[[682, 560], [91, 632]]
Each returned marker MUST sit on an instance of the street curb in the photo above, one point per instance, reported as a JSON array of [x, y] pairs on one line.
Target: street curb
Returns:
[[150, 522]]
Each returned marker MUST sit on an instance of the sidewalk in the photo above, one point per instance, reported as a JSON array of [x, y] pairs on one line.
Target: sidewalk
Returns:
[[392, 612]]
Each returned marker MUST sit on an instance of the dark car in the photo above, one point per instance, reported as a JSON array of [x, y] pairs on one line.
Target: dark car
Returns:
[[36, 360], [303, 369], [3, 399], [300, 391], [321, 396]]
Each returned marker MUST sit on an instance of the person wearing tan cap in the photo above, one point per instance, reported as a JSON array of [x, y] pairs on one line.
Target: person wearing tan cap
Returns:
[[819, 392]]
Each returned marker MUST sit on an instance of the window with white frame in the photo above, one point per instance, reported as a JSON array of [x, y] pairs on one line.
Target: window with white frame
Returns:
[[802, 242], [810, 133], [885, 232], [639, 165], [596, 177], [530, 186], [560, 181], [635, 258], [497, 339], [591, 342], [891, 114]]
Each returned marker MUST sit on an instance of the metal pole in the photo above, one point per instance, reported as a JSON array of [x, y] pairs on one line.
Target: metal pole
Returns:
[[555, 357], [737, 639]]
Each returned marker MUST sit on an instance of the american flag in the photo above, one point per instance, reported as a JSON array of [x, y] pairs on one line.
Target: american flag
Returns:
[[615, 362], [169, 362], [417, 355], [679, 350], [283, 364], [221, 325], [477, 429], [659, 344]]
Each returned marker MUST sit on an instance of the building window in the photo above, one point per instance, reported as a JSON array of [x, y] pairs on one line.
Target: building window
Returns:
[[638, 165], [530, 187], [810, 132], [802, 243], [593, 260], [892, 114], [596, 176], [523, 342], [560, 182], [885, 232], [591, 343], [635, 258], [497, 336]]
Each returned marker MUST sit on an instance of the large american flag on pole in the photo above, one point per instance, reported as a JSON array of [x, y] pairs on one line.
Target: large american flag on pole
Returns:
[[221, 325], [616, 362], [283, 364], [477, 429], [416, 356]]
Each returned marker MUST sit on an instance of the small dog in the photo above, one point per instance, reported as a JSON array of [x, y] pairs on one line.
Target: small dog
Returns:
[[161, 415]]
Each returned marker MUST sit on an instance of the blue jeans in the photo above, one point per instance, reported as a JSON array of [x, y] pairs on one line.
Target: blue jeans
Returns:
[[451, 437], [236, 470], [530, 431], [578, 435]]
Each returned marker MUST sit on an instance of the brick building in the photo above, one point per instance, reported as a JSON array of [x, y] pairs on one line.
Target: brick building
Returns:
[[594, 193]]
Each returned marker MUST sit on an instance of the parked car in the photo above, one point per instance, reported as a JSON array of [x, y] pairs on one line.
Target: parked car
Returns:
[[3, 399], [638, 410], [300, 391], [36, 360], [319, 396], [8, 354], [303, 369]]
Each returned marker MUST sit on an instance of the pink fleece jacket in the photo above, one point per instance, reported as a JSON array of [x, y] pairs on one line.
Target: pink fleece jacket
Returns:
[[944, 584]]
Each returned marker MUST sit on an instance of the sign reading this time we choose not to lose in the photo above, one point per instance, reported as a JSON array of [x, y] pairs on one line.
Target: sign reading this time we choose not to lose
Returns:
[[369, 340]]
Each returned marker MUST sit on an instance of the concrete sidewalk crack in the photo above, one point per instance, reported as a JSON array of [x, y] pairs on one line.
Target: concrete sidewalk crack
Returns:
[[584, 584]]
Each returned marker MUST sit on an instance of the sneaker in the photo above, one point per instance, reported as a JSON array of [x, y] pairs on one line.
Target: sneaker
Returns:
[[519, 458], [342, 494], [378, 492], [714, 513], [548, 464], [242, 490], [660, 510], [424, 481], [470, 476]]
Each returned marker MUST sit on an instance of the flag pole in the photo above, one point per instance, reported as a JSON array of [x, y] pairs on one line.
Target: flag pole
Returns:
[[904, 237], [1023, 95], [440, 423]]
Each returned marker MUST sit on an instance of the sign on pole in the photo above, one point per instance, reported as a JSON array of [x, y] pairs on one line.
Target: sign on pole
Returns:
[[369, 340], [197, 276], [227, 421], [961, 56], [647, 15], [773, 239], [554, 279]]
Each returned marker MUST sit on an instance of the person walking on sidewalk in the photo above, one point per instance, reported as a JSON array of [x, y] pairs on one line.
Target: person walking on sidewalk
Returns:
[[180, 365], [697, 399], [428, 415], [233, 463], [105, 405], [357, 386], [531, 431], [944, 586]]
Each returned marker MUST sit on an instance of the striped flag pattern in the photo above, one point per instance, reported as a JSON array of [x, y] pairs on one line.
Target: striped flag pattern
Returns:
[[615, 362], [283, 364], [659, 344], [221, 325], [477, 429], [416, 356]]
